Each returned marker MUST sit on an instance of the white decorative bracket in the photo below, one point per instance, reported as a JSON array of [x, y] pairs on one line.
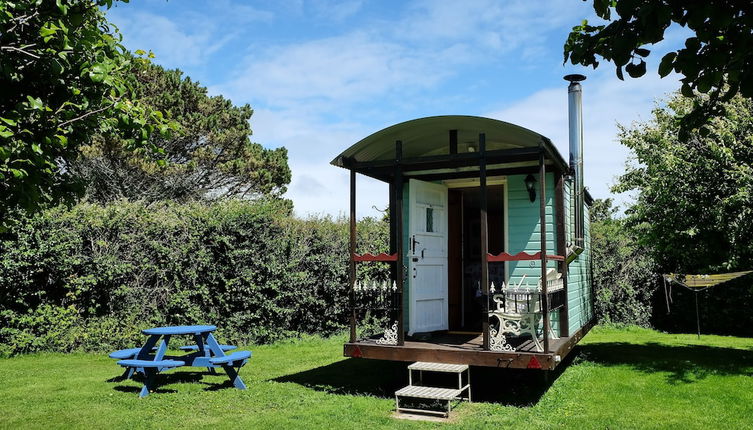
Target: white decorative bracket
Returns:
[[498, 341], [390, 336]]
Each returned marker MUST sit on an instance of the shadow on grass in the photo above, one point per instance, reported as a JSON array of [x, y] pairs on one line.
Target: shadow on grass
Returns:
[[378, 378], [683, 364], [523, 387], [137, 390], [179, 377]]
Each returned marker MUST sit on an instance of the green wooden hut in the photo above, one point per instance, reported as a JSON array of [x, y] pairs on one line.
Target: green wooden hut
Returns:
[[490, 226]]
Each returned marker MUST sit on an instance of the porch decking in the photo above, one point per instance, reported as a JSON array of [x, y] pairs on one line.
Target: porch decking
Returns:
[[466, 349]]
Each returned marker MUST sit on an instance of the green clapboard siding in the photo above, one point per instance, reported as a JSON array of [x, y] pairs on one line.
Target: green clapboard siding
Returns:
[[580, 310], [524, 228], [524, 231]]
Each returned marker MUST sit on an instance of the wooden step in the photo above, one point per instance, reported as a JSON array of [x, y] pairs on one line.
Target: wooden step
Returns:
[[438, 367], [435, 393]]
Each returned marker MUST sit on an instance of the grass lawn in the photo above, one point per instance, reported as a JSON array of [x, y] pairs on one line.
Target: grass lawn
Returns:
[[617, 378]]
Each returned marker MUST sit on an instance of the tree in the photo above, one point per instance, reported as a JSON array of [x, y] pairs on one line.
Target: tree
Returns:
[[209, 156], [694, 204], [624, 274], [62, 77], [717, 59]]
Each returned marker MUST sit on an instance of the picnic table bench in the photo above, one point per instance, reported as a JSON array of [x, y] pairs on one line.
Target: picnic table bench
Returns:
[[151, 359]]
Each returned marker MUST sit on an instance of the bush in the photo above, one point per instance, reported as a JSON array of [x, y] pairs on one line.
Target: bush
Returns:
[[93, 276], [624, 274]]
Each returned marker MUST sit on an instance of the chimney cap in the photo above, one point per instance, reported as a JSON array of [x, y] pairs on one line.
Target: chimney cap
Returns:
[[575, 78]]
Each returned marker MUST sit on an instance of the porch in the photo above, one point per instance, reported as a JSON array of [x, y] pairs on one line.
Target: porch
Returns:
[[467, 348]]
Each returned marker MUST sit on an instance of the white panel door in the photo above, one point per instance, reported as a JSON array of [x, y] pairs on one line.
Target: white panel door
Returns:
[[427, 213]]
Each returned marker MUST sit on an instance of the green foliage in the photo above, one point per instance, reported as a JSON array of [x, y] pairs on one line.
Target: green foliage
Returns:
[[210, 156], [694, 203], [624, 273], [100, 274], [716, 58], [62, 77]]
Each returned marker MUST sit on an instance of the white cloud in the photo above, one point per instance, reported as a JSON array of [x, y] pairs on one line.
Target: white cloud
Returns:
[[336, 10], [185, 39], [489, 25], [606, 102], [331, 190], [169, 42], [318, 187], [339, 70]]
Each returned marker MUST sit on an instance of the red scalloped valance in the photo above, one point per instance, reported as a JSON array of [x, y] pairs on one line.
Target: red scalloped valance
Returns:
[[521, 256], [372, 257]]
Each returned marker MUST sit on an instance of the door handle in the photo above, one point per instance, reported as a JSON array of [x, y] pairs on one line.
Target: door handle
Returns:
[[414, 242]]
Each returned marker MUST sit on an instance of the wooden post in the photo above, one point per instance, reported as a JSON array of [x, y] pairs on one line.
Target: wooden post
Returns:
[[559, 196], [393, 226], [352, 248], [542, 220], [484, 242], [399, 264]]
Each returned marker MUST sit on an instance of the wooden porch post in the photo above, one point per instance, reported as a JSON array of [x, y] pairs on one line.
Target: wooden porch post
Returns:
[[352, 248], [562, 250], [542, 220], [399, 264], [484, 242]]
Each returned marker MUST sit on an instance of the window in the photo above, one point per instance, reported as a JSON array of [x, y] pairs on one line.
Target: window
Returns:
[[429, 220]]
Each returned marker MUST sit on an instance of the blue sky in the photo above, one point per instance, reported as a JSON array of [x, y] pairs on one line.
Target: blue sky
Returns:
[[323, 74]]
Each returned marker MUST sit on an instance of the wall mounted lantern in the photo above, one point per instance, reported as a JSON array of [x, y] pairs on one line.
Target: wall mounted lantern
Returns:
[[531, 187]]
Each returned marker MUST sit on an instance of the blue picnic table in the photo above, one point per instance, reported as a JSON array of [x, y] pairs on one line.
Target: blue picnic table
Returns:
[[151, 359]]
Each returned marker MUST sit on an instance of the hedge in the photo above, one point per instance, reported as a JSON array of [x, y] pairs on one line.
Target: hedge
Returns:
[[91, 277]]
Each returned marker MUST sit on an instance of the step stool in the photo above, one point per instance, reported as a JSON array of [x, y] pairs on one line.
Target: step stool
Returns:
[[434, 393]]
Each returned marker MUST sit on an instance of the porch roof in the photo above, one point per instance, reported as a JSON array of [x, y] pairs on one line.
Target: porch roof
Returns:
[[428, 140]]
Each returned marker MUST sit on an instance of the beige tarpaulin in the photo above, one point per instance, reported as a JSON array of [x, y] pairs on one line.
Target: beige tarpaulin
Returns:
[[704, 281]]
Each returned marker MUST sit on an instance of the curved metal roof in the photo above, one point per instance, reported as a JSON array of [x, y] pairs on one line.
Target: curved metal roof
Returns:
[[430, 136]]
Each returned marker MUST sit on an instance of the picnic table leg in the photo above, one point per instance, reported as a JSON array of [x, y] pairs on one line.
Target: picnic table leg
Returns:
[[233, 375], [162, 349], [214, 346], [144, 354], [231, 372], [147, 348], [149, 375], [203, 350]]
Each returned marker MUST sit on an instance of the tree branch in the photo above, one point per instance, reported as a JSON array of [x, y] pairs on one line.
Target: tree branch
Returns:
[[80, 117], [13, 48]]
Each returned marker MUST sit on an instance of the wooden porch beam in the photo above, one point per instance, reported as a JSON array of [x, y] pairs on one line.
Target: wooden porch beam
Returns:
[[542, 220], [464, 159], [475, 174], [484, 242], [352, 248], [399, 264]]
